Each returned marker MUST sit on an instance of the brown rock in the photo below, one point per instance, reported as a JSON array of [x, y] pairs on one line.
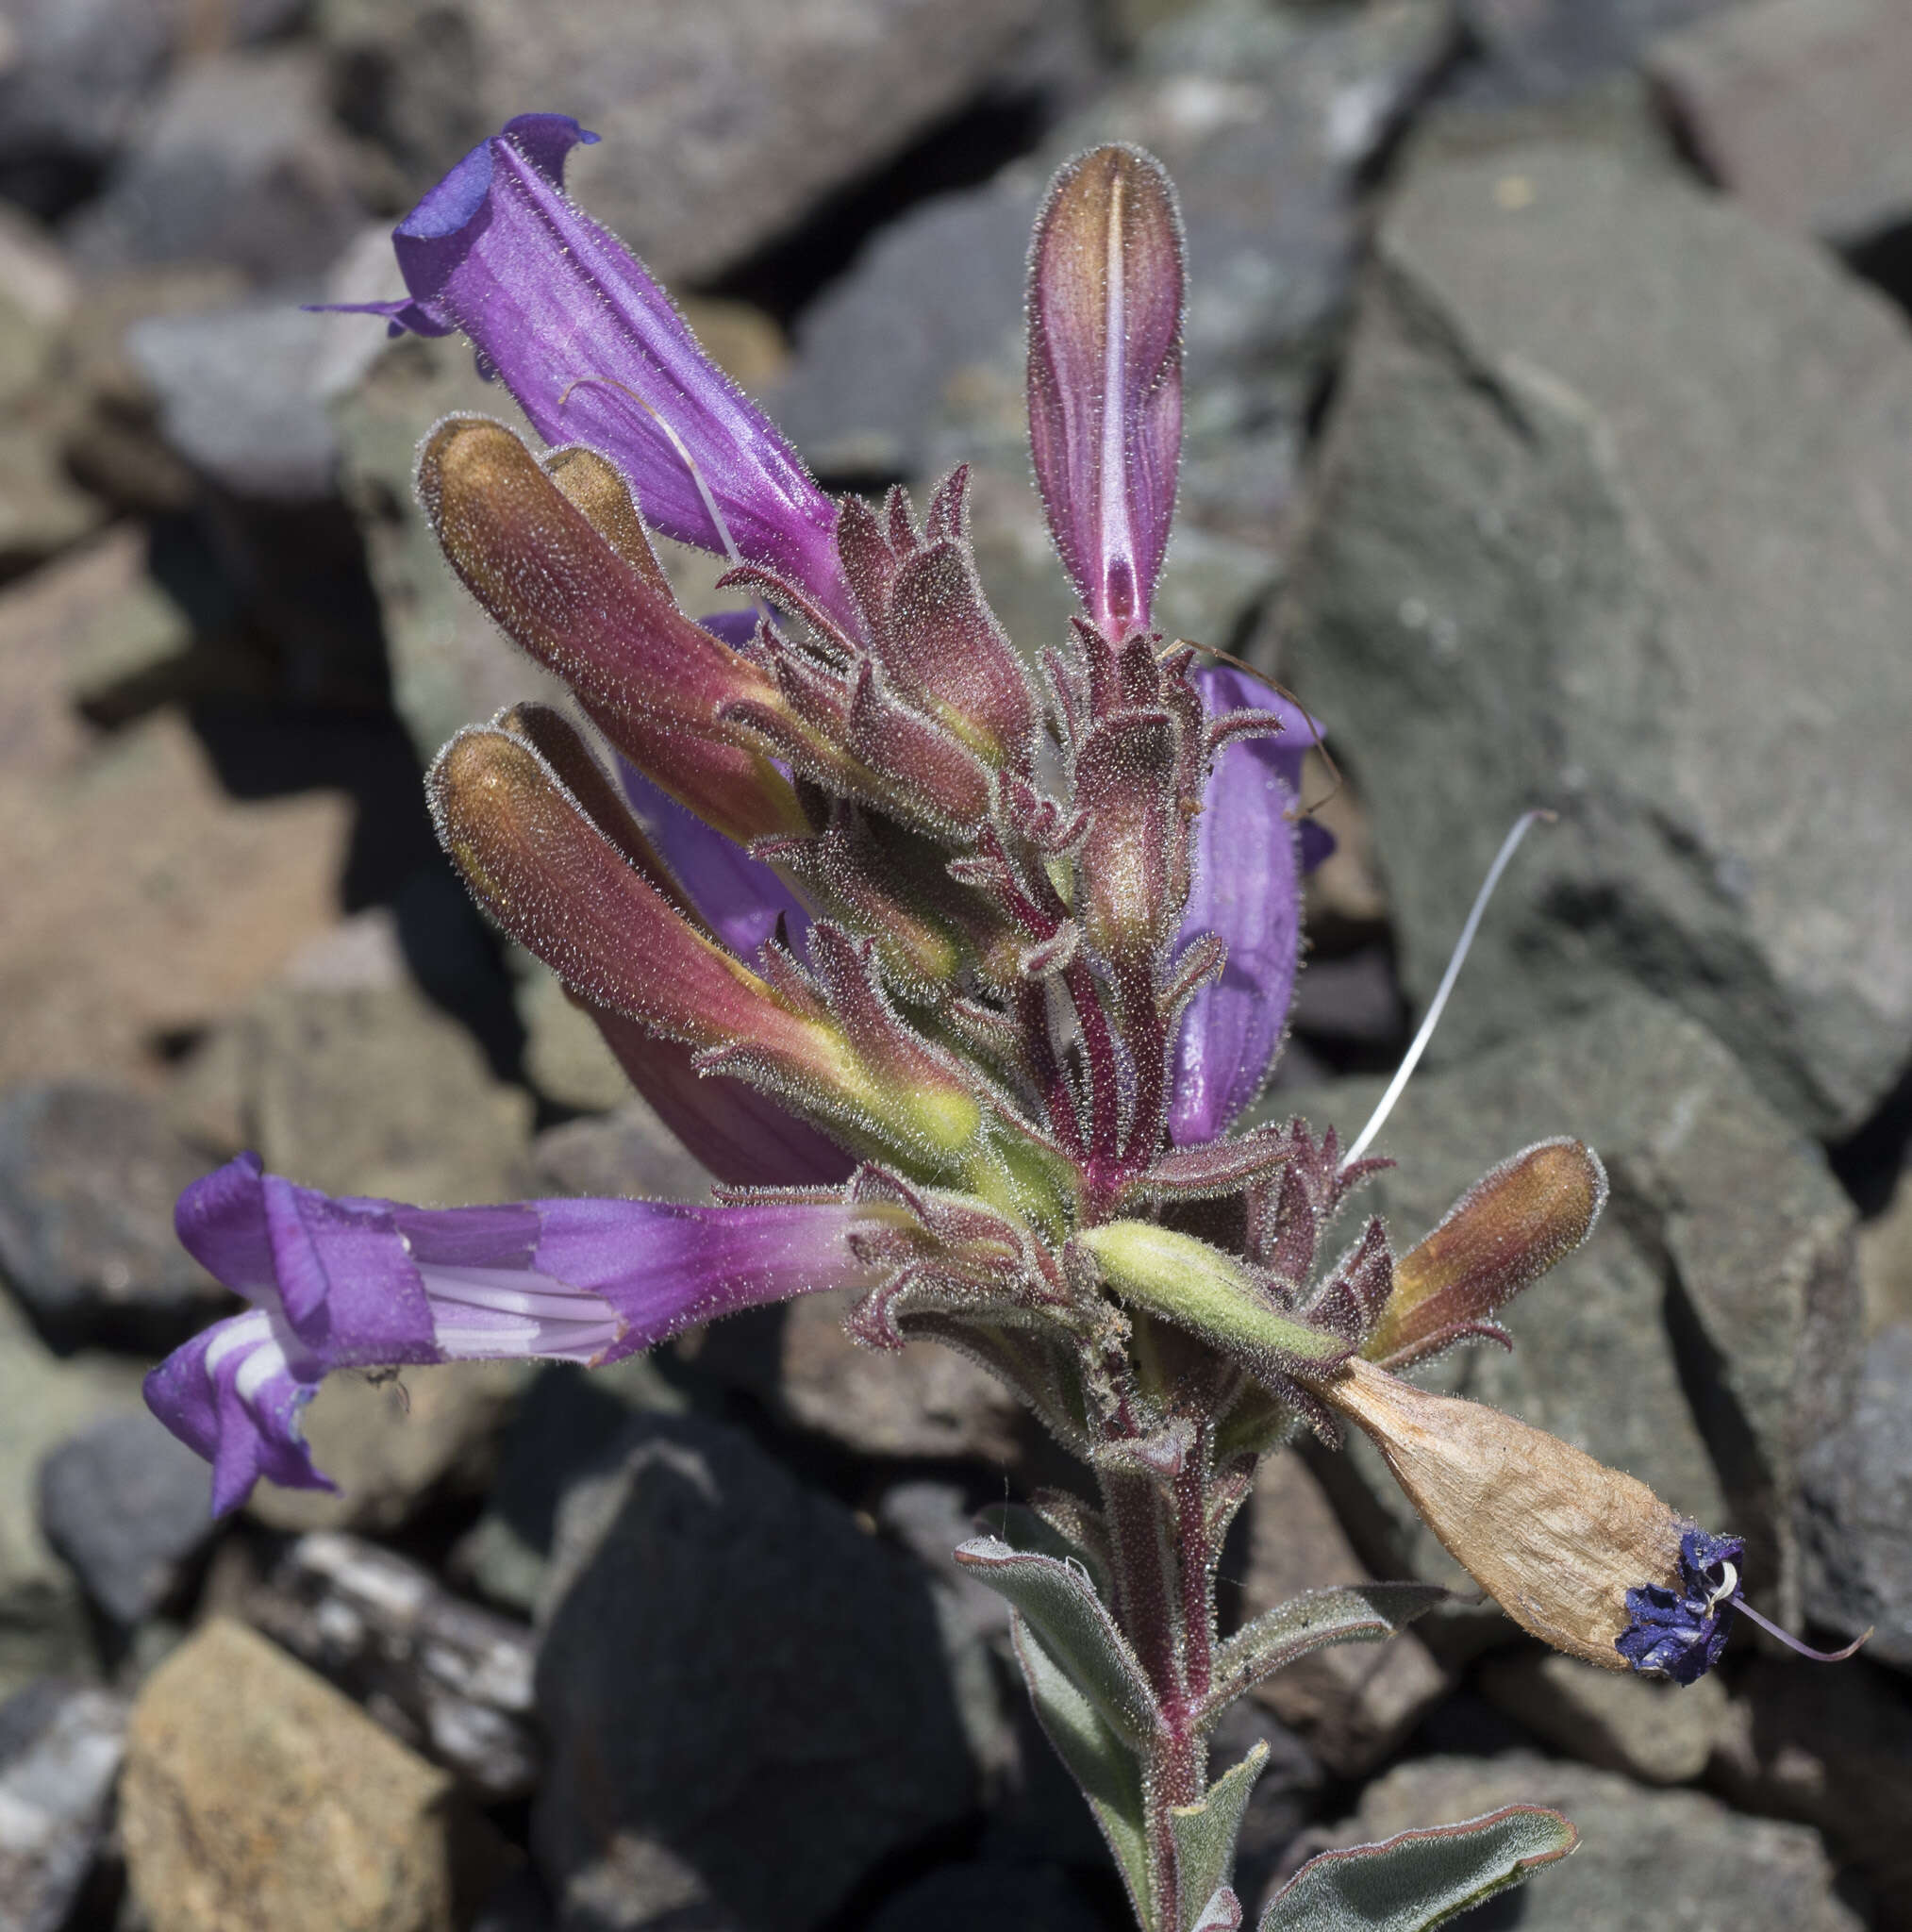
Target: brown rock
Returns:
[[1352, 1703], [1798, 107], [927, 1401], [1885, 1249], [393, 1444], [1657, 1733], [255, 1794], [142, 900], [372, 1090]]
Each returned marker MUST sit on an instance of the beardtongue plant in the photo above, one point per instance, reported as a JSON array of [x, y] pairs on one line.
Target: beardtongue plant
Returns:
[[958, 970]]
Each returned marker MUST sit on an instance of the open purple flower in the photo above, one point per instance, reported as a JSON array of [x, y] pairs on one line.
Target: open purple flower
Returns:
[[596, 353], [1251, 848], [339, 1284]]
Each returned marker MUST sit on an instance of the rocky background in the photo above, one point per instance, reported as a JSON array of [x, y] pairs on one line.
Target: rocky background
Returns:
[[1550, 431]]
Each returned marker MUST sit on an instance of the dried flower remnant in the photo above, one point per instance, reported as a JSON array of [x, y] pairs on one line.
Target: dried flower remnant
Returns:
[[961, 970]]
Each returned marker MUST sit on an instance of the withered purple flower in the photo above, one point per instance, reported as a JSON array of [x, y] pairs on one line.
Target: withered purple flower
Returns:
[[958, 968]]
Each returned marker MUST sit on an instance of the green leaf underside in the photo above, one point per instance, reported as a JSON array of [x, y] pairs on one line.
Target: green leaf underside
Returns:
[[1186, 1281], [1031, 1535], [1060, 1603], [1100, 1762], [1355, 1613], [1205, 1835], [1418, 1878]]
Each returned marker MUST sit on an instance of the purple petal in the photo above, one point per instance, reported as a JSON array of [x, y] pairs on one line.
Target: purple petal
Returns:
[[1247, 862], [740, 896], [740, 1134], [596, 353], [342, 1283], [680, 1266], [1105, 376], [230, 1396]]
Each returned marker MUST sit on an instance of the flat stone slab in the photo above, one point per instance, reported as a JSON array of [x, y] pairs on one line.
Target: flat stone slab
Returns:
[[1614, 516]]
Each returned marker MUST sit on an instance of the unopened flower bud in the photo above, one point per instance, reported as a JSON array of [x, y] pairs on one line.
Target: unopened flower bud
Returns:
[[1512, 1226], [652, 679]]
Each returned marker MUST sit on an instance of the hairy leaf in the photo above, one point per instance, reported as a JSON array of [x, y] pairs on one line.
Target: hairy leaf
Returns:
[[1205, 1835], [1059, 1601], [1418, 1878], [1100, 1762], [1357, 1613]]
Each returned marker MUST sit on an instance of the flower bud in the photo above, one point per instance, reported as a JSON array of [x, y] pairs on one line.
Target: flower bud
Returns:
[[653, 680], [1220, 1298], [1512, 1226], [1105, 376]]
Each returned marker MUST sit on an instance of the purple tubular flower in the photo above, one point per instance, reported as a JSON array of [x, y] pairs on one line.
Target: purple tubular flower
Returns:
[[1105, 377], [346, 1283], [740, 896], [1247, 864], [596, 353], [737, 1132]]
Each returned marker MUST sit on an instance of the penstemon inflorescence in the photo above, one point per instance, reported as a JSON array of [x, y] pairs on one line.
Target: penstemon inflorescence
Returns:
[[955, 968]]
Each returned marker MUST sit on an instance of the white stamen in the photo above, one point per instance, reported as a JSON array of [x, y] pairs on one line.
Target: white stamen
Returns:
[[484, 1313], [1724, 1590], [1412, 1057]]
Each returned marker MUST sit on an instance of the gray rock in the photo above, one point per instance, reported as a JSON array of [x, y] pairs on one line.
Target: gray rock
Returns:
[[1856, 1520], [1792, 104], [1264, 119], [1834, 1748], [450, 1678], [234, 397], [77, 70], [89, 1174], [1351, 1704], [61, 1746], [1540, 50], [741, 1691], [43, 1400], [1582, 496], [129, 1507], [930, 1520], [936, 293], [1703, 1338], [1644, 1858], [238, 160], [1653, 1733], [1885, 1261], [1014, 1898], [242, 394], [373, 1091], [722, 126], [564, 1420]]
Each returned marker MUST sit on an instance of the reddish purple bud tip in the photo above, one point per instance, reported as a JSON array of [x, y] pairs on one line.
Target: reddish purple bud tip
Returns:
[[1105, 376]]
